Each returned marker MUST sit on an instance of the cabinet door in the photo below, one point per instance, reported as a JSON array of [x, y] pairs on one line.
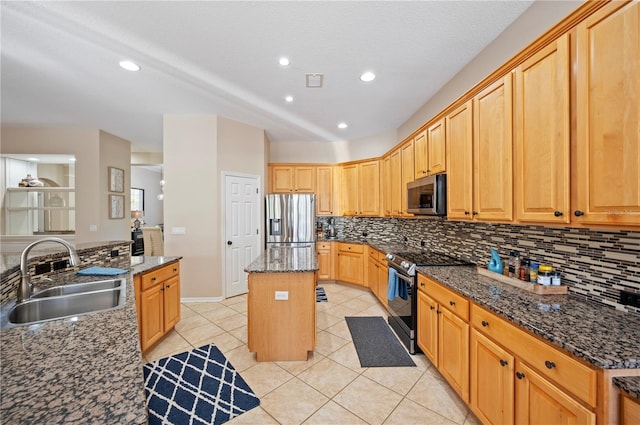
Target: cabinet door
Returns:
[[304, 179], [608, 116], [436, 148], [171, 302], [540, 402], [542, 135], [492, 152], [453, 351], [386, 185], [396, 183], [350, 189], [383, 280], [324, 190], [369, 174], [428, 327], [152, 318], [408, 174], [350, 267], [459, 125], [281, 179], [421, 154], [324, 264], [491, 376], [372, 275]]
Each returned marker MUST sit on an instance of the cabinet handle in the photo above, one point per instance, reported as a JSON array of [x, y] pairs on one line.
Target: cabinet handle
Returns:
[[467, 213], [558, 214], [578, 213], [475, 213], [175, 269], [162, 289], [549, 365], [503, 362], [519, 375], [432, 307], [438, 312], [422, 284], [485, 323], [452, 303], [153, 279]]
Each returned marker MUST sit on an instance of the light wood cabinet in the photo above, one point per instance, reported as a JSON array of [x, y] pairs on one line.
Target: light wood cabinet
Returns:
[[159, 309], [378, 275], [608, 116], [350, 265], [326, 270], [386, 185], [629, 410], [459, 139], [492, 152], [408, 174], [452, 314], [436, 148], [542, 135], [300, 179], [428, 326], [361, 188], [421, 154], [324, 190], [538, 401], [491, 368], [395, 182]]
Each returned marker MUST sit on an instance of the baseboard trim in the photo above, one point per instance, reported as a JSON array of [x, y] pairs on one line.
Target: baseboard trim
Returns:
[[202, 300]]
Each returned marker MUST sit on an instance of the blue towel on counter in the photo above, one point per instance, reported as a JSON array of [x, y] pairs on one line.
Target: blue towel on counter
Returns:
[[392, 290], [101, 271]]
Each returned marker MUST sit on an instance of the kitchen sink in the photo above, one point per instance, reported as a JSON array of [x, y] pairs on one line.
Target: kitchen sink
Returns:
[[37, 310], [76, 288]]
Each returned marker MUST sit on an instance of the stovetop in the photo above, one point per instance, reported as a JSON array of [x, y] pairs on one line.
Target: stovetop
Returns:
[[428, 258]]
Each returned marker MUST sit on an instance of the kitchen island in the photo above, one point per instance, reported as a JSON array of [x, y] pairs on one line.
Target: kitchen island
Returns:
[[84, 369], [282, 304]]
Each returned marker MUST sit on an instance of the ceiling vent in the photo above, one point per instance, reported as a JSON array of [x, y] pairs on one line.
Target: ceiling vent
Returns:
[[314, 81]]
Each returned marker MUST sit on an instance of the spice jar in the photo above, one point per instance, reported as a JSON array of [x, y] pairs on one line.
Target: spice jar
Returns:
[[524, 270], [544, 278], [545, 268], [533, 272], [556, 280]]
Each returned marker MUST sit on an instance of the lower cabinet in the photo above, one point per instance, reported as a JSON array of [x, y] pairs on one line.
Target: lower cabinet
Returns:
[[350, 267], [629, 410], [324, 251], [378, 275], [443, 332], [158, 293]]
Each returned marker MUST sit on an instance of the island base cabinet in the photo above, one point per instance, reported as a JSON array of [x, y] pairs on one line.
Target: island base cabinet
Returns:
[[281, 329], [540, 402]]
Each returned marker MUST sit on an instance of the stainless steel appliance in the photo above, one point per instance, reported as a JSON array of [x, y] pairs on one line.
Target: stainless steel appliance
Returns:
[[403, 308], [332, 233], [428, 195], [291, 219]]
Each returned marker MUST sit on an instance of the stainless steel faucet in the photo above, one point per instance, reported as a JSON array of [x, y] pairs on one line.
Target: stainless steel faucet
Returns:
[[24, 289]]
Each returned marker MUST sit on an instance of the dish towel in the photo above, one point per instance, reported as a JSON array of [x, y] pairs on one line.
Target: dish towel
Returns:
[[393, 290], [101, 271]]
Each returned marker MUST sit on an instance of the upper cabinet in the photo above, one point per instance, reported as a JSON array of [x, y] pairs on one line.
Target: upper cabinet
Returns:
[[459, 138], [492, 152], [421, 154], [407, 173], [361, 188], [324, 190], [395, 182], [285, 178], [608, 132], [429, 148], [542, 135]]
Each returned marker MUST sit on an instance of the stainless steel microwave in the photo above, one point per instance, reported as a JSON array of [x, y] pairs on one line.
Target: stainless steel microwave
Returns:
[[428, 195]]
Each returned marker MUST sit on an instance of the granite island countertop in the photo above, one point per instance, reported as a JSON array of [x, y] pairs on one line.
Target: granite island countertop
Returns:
[[628, 384], [86, 369], [285, 259], [604, 337]]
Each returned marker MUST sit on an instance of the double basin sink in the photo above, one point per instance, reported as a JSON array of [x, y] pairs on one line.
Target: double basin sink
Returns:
[[65, 301]]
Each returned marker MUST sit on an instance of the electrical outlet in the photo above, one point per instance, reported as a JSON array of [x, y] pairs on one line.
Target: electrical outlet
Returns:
[[282, 295], [43, 268], [114, 253], [59, 265], [630, 298], [422, 243]]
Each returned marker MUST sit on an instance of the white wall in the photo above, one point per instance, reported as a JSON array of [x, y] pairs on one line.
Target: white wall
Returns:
[[149, 180]]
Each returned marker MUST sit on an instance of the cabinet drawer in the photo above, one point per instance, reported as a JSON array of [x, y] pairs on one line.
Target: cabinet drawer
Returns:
[[351, 247], [323, 245], [382, 257], [152, 278], [373, 253], [445, 297], [567, 372]]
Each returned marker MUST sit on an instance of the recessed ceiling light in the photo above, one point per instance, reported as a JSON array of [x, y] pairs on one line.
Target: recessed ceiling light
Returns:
[[288, 98], [284, 61], [130, 66], [342, 125], [368, 76]]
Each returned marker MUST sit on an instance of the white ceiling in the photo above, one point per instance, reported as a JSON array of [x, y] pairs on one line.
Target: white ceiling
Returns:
[[60, 62]]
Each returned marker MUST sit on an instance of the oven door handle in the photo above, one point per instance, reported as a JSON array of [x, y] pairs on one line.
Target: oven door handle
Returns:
[[407, 279]]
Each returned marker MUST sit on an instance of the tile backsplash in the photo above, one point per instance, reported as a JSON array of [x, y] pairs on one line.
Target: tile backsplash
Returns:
[[595, 264]]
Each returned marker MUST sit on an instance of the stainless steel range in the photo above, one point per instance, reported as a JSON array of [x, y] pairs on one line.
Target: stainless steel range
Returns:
[[403, 305]]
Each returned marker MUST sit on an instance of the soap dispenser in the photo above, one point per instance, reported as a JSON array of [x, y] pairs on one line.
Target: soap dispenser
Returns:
[[495, 264]]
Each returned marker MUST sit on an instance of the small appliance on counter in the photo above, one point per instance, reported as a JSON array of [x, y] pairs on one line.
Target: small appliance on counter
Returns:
[[332, 233]]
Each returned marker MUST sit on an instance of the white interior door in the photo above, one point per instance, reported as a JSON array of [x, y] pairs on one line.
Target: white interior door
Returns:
[[242, 212]]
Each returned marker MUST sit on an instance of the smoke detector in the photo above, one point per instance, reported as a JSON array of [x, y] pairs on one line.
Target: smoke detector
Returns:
[[314, 81]]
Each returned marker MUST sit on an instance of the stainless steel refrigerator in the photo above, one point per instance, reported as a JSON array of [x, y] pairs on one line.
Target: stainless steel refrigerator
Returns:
[[291, 219]]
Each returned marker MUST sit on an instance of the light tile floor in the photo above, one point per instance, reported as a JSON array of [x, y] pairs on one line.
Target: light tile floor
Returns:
[[329, 388]]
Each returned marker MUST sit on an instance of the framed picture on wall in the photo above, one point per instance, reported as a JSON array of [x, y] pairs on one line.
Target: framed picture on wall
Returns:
[[116, 206], [116, 179]]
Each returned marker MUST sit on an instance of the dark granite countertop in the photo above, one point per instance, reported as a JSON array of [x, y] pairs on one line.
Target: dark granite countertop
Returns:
[[285, 259], [628, 384], [86, 369], [604, 337]]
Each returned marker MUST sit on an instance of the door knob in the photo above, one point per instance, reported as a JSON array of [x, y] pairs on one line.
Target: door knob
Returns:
[[229, 243]]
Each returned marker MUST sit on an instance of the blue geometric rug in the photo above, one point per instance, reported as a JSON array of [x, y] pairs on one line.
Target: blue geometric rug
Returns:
[[196, 387], [321, 296]]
